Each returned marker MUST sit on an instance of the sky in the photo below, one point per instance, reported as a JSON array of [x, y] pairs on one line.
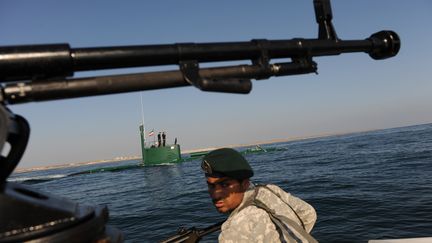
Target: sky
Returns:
[[352, 92]]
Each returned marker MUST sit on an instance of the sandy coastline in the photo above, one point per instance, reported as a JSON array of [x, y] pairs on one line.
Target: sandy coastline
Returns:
[[137, 157]]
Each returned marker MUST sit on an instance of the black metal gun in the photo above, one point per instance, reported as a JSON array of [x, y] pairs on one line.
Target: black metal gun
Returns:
[[47, 66], [192, 235], [40, 72]]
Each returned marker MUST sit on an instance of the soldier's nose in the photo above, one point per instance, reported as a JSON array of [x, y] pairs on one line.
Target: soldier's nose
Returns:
[[216, 194]]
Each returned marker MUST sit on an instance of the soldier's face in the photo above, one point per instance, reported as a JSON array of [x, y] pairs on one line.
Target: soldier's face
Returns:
[[226, 193]]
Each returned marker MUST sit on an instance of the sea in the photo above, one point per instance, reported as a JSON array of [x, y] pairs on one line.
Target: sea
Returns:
[[367, 185]]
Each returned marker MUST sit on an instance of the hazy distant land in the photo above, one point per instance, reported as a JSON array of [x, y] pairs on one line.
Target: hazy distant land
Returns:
[[138, 157]]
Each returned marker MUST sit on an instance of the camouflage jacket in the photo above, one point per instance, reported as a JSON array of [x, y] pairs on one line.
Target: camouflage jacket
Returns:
[[251, 223]]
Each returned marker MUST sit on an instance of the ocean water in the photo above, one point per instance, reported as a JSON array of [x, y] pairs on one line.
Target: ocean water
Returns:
[[370, 185]]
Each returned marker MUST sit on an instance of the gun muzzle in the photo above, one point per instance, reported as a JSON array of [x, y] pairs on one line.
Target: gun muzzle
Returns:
[[386, 44]]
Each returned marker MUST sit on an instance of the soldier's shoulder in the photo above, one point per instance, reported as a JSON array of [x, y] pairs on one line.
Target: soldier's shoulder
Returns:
[[251, 214], [272, 187]]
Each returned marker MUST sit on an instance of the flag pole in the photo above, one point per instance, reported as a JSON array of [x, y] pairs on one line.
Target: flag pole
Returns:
[[142, 117]]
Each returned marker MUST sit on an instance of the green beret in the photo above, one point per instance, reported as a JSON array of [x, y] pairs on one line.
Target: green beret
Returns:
[[226, 162]]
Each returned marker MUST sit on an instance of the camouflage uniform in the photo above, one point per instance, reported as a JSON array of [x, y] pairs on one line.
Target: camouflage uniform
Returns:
[[249, 223]]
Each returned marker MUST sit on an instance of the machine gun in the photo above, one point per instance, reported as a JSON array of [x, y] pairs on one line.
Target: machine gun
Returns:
[[192, 235], [42, 72]]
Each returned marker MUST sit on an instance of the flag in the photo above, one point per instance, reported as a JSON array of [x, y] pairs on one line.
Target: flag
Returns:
[[151, 133]]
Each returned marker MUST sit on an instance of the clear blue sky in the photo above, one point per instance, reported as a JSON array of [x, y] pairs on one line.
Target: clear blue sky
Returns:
[[351, 93]]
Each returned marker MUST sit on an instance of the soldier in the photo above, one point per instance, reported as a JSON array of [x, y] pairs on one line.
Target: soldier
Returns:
[[159, 140], [163, 139], [256, 213]]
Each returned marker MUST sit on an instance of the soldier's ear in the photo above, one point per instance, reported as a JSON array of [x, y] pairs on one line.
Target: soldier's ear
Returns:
[[245, 184]]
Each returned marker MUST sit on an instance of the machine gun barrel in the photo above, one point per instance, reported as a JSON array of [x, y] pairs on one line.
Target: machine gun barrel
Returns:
[[59, 60], [229, 76]]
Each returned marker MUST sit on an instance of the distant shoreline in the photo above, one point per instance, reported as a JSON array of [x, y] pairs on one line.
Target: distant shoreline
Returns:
[[123, 158]]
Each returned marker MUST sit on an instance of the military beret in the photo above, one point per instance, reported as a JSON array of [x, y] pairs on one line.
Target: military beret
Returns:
[[226, 162]]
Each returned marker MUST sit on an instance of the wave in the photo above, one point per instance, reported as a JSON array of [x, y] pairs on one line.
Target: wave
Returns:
[[36, 179]]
